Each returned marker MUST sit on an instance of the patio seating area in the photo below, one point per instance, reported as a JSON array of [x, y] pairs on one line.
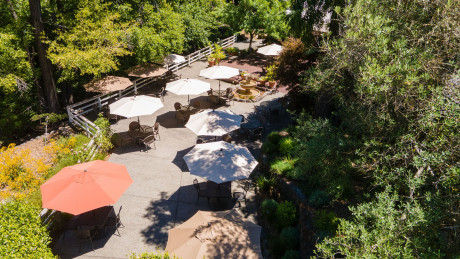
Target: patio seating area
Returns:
[[164, 193]]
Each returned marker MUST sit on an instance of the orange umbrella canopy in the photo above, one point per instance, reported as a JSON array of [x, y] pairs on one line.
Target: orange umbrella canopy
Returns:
[[83, 187]]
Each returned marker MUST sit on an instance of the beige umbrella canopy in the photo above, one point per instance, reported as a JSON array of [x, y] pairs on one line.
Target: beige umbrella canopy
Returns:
[[108, 84], [219, 234], [146, 70]]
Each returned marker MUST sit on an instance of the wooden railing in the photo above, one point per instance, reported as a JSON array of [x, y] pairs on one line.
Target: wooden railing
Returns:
[[199, 54]]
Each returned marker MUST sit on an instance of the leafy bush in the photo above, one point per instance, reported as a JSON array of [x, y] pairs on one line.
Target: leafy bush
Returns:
[[105, 137], [290, 238], [264, 183], [22, 234], [291, 254], [318, 198], [269, 207], [282, 166], [286, 214], [232, 50], [326, 221], [275, 246], [287, 146], [152, 255], [271, 145], [20, 173]]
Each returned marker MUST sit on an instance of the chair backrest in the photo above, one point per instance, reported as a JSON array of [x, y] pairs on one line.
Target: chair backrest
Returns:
[[196, 104], [118, 214], [199, 141], [148, 140], [83, 234], [228, 91], [258, 131], [134, 125], [227, 138], [156, 126], [196, 185], [177, 106], [210, 92], [162, 91], [243, 118]]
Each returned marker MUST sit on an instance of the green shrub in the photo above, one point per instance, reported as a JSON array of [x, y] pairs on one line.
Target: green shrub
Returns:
[[326, 221], [282, 167], [291, 254], [152, 255], [318, 198], [22, 234], [286, 214], [287, 146], [289, 237], [269, 207], [271, 145], [264, 183], [275, 246], [104, 139]]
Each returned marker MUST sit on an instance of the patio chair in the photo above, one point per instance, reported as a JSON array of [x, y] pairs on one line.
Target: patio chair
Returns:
[[111, 117], [161, 93], [177, 106], [256, 133], [214, 99], [134, 125], [201, 193], [114, 222], [238, 197], [85, 234], [156, 130], [147, 142]]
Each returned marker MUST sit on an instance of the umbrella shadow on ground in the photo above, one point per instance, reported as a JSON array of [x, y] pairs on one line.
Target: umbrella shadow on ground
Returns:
[[165, 214], [70, 246], [168, 120], [179, 161]]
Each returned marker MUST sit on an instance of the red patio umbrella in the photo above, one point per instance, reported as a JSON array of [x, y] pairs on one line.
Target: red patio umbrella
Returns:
[[84, 187]]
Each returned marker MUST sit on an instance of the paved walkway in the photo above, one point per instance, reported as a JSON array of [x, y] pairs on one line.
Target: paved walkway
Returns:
[[162, 195]]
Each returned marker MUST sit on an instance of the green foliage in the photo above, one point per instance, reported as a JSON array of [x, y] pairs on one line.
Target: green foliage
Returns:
[[232, 50], [271, 145], [152, 255], [275, 246], [92, 41], [283, 166], [264, 183], [257, 16], [218, 53], [286, 214], [291, 254], [271, 72], [104, 139], [318, 198], [160, 32], [290, 238], [22, 234], [326, 221], [269, 207], [287, 146]]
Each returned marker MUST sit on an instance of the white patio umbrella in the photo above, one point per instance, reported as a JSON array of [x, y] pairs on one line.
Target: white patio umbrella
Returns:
[[213, 123], [135, 106], [220, 161], [188, 87], [221, 234], [174, 59], [219, 72], [270, 50]]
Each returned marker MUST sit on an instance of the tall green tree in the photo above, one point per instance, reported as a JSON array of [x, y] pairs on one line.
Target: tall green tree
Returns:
[[49, 85], [91, 42], [394, 78], [258, 16]]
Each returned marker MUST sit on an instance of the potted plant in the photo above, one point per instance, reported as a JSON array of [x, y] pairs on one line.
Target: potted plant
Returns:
[[271, 76], [211, 60], [262, 80], [218, 53], [232, 51]]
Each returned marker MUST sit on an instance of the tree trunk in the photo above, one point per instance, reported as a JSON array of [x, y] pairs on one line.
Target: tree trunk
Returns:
[[251, 36], [49, 86], [13, 12]]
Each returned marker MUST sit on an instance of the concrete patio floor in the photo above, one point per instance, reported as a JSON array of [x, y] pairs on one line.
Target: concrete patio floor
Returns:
[[162, 195]]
